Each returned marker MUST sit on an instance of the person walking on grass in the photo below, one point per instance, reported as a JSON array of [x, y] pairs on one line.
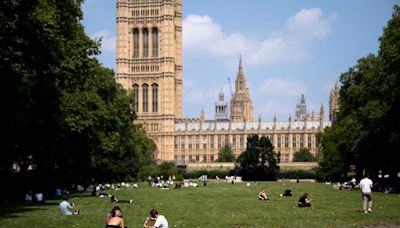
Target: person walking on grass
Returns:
[[366, 193]]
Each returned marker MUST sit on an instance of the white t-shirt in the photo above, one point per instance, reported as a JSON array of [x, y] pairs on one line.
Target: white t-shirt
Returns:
[[64, 208], [161, 222], [365, 185], [39, 197]]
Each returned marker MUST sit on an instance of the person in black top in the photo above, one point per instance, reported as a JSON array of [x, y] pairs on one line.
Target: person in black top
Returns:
[[304, 201]]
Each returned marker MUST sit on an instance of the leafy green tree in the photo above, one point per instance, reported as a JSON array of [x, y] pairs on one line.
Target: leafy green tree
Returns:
[[368, 127], [303, 155], [259, 161], [226, 154], [62, 111]]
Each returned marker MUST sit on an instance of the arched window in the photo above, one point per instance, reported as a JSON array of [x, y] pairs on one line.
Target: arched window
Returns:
[[145, 42], [136, 97], [155, 97], [136, 43], [145, 96], [155, 42]]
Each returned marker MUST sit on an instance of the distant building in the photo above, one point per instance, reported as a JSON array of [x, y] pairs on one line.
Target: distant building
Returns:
[[334, 103], [149, 63]]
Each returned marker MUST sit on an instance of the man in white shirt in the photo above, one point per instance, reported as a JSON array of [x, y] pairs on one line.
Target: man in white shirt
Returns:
[[366, 186], [161, 221], [66, 207]]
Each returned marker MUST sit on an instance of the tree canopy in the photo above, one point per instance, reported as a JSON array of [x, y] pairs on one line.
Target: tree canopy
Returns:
[[226, 154], [63, 113], [259, 161], [303, 155], [367, 132]]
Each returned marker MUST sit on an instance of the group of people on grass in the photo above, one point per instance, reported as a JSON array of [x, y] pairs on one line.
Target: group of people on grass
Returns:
[[303, 201], [115, 220], [365, 186]]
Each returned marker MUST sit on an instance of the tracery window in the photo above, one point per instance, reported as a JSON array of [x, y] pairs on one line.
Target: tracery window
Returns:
[[155, 42], [154, 97], [136, 97], [136, 43], [145, 96], [145, 42]]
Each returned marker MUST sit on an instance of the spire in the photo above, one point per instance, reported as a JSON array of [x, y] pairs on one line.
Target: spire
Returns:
[[322, 110], [303, 100], [240, 64], [322, 113], [221, 95], [202, 113], [241, 104]]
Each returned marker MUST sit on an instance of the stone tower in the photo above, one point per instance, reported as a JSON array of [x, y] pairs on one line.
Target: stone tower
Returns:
[[334, 103], [221, 108], [301, 109], [149, 63], [241, 104]]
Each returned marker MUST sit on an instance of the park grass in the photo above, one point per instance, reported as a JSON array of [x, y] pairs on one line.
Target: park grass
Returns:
[[216, 205]]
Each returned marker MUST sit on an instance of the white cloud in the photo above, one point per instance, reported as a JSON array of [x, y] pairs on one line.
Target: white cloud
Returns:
[[282, 88], [107, 40], [202, 35]]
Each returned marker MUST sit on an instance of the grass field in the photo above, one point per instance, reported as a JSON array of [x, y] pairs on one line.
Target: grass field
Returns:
[[216, 205]]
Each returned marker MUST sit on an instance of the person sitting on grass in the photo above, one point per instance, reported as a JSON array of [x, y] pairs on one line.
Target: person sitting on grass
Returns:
[[115, 200], [161, 221], [262, 195], [304, 201], [116, 220], [287, 192], [66, 208]]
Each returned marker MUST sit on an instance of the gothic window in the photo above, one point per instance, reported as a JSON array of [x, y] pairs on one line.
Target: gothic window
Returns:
[[234, 142], [309, 141], [279, 141], [136, 43], [136, 97], [204, 142], [145, 96], [155, 42], [176, 142], [212, 157], [241, 142], [154, 97], [190, 142], [301, 140], [219, 141], [197, 141], [286, 140], [211, 141], [294, 140], [145, 42], [183, 142]]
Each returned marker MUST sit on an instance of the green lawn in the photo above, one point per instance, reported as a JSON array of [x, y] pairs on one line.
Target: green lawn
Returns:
[[216, 205]]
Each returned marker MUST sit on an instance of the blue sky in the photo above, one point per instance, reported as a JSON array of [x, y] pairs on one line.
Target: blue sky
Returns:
[[288, 47]]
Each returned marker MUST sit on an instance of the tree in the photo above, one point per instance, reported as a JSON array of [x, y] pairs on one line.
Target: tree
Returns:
[[63, 112], [226, 154], [258, 162], [368, 128], [303, 155]]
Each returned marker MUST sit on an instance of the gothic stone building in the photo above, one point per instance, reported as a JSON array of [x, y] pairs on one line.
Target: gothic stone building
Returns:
[[149, 63]]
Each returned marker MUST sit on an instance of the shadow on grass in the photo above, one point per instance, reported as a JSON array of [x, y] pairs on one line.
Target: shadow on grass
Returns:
[[13, 209]]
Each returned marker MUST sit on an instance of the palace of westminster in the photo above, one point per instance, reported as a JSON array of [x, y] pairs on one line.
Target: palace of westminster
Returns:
[[149, 63]]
